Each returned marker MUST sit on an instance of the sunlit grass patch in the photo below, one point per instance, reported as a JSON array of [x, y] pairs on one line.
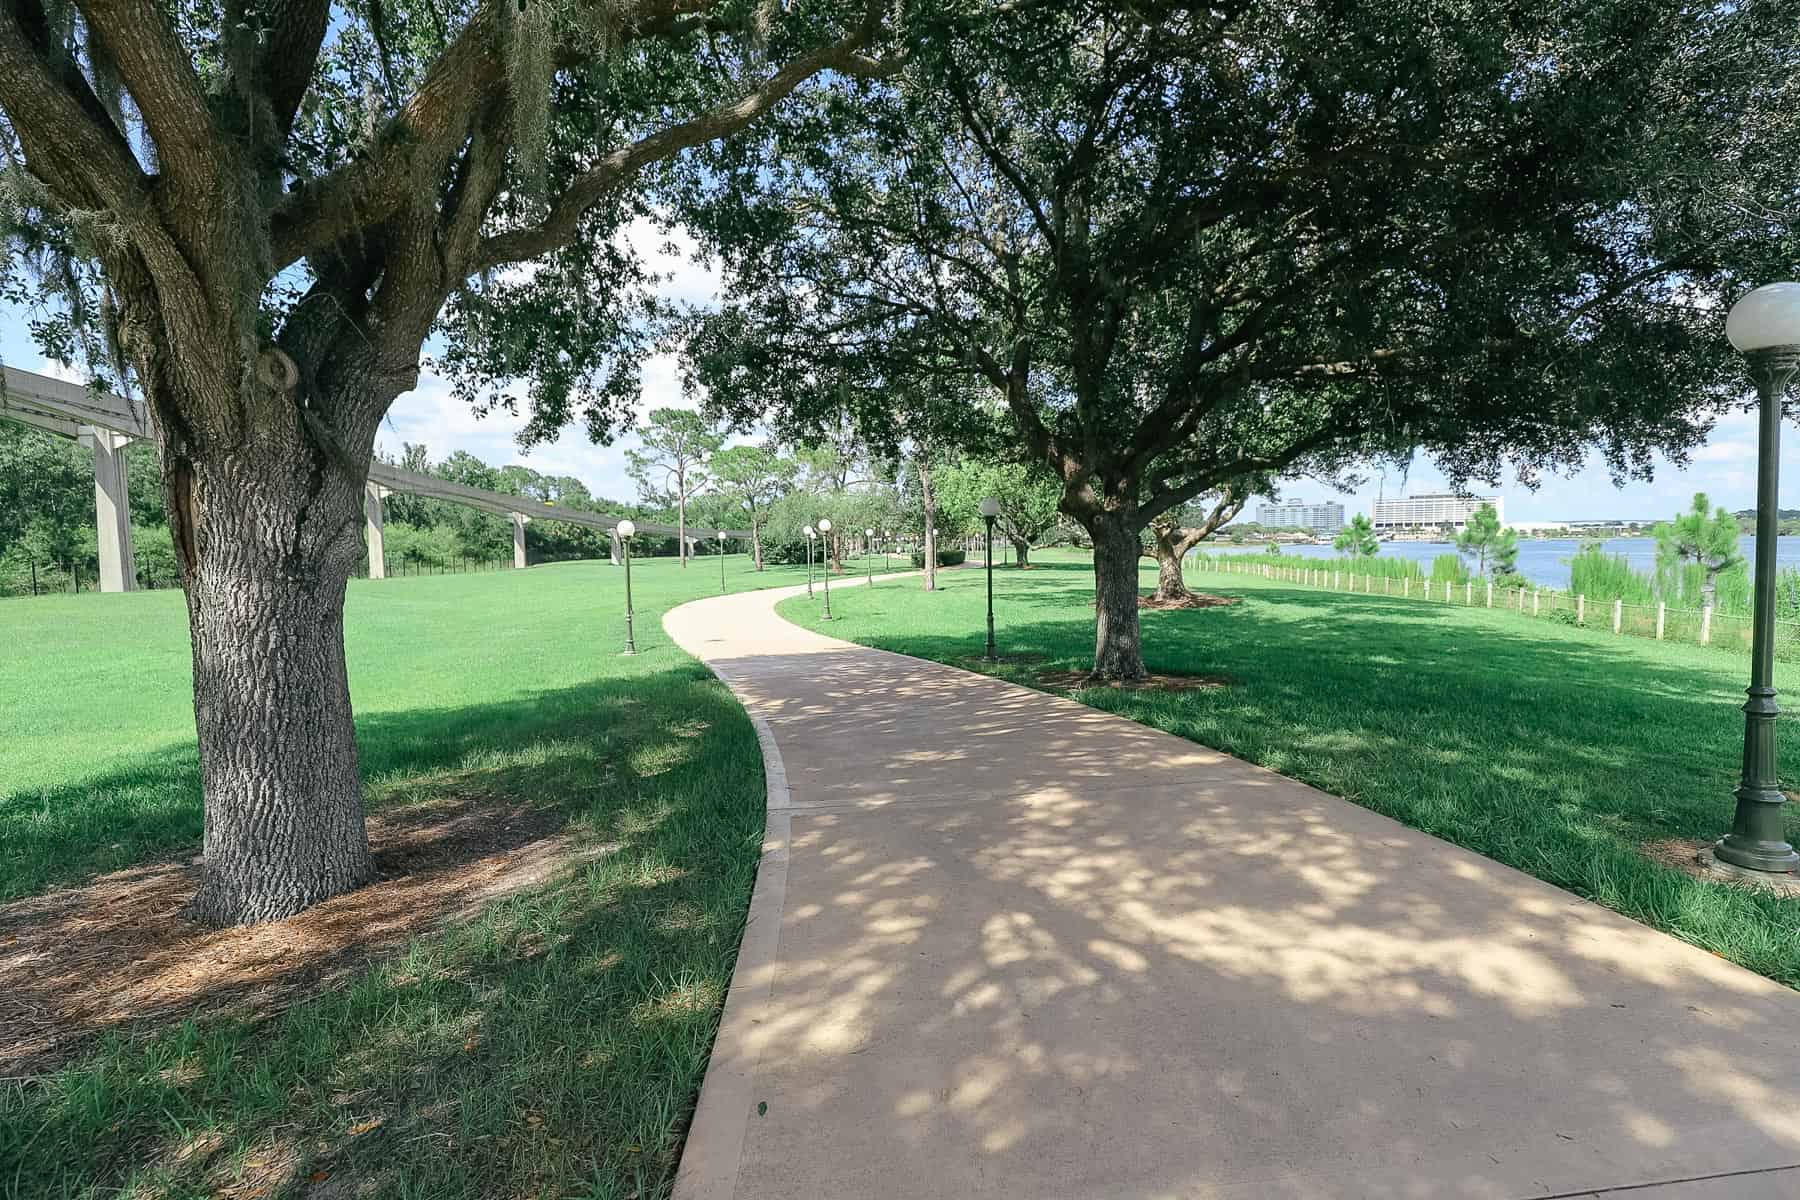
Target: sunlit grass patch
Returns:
[[550, 1045]]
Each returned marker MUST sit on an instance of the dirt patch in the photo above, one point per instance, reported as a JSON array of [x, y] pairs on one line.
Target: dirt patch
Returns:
[[1069, 680], [114, 953], [1680, 853], [1685, 856], [1191, 600]]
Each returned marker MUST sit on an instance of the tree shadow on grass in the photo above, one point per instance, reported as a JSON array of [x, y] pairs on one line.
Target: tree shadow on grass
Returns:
[[551, 1038], [150, 805]]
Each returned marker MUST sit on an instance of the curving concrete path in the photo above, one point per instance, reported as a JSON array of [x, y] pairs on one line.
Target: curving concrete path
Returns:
[[1005, 945]]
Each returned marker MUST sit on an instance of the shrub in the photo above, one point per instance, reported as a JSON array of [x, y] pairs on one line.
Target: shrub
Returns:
[[945, 558], [1449, 568]]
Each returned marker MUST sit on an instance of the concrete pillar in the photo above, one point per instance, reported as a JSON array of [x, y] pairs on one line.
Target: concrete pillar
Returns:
[[112, 510], [1706, 625], [1581, 609], [374, 518], [1618, 614], [1661, 612], [518, 520]]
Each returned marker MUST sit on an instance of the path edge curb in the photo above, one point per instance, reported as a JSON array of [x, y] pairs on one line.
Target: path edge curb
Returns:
[[715, 1138]]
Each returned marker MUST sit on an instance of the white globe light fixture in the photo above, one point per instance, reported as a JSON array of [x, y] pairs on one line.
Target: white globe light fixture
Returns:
[[824, 524], [625, 529], [990, 507], [1766, 319], [1765, 327]]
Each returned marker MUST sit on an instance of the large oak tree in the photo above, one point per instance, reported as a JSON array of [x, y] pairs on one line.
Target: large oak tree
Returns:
[[1186, 245], [266, 206]]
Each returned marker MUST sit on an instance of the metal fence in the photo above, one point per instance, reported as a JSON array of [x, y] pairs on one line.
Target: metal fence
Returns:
[[1702, 627]]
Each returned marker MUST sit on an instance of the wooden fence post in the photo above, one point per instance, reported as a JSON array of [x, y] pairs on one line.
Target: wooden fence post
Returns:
[[1661, 609], [1490, 593], [1706, 625], [1581, 609], [1618, 614], [1469, 592], [1534, 601]]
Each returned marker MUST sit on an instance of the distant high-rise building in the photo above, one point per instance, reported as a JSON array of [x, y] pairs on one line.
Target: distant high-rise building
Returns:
[[1432, 510], [1324, 519]]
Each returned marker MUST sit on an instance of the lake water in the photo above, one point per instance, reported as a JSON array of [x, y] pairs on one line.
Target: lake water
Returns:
[[1544, 561]]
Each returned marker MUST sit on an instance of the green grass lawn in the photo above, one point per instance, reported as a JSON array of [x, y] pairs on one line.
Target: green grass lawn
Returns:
[[553, 1045], [1555, 749]]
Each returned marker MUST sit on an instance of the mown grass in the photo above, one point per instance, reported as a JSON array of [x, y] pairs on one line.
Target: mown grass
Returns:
[[1554, 749], [551, 1046]]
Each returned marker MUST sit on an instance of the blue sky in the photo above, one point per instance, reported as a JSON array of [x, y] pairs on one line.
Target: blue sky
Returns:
[[1724, 467]]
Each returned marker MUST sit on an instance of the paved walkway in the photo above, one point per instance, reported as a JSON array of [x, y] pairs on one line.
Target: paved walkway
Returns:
[[1004, 945]]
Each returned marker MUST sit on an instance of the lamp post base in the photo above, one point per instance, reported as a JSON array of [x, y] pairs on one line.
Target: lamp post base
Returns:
[[1781, 882]]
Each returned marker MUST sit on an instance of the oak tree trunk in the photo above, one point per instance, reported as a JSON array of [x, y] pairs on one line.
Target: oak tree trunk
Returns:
[[1021, 551], [1171, 585], [268, 532], [756, 542], [1118, 653]]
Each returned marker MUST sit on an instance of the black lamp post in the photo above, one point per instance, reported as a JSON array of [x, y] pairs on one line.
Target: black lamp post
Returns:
[[990, 508], [808, 529], [887, 544], [721, 562], [825, 562], [626, 529], [869, 555], [1765, 327]]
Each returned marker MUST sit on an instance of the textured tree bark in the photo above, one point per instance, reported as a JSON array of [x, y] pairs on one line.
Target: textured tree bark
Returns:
[[267, 531], [1168, 546], [756, 542], [1171, 585], [1118, 652], [1021, 551]]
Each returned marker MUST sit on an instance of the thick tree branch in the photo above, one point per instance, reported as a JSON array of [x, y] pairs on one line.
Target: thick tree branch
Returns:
[[425, 130], [159, 73], [296, 34], [70, 143], [589, 188]]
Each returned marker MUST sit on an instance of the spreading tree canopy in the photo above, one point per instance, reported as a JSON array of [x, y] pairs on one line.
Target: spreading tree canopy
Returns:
[[256, 212], [1183, 245]]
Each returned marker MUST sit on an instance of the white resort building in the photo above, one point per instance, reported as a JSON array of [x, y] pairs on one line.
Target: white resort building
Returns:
[[1432, 510], [1323, 519]]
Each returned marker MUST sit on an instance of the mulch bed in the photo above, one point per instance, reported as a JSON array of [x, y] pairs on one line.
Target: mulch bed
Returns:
[[1191, 600], [1070, 680], [115, 953], [1684, 854]]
